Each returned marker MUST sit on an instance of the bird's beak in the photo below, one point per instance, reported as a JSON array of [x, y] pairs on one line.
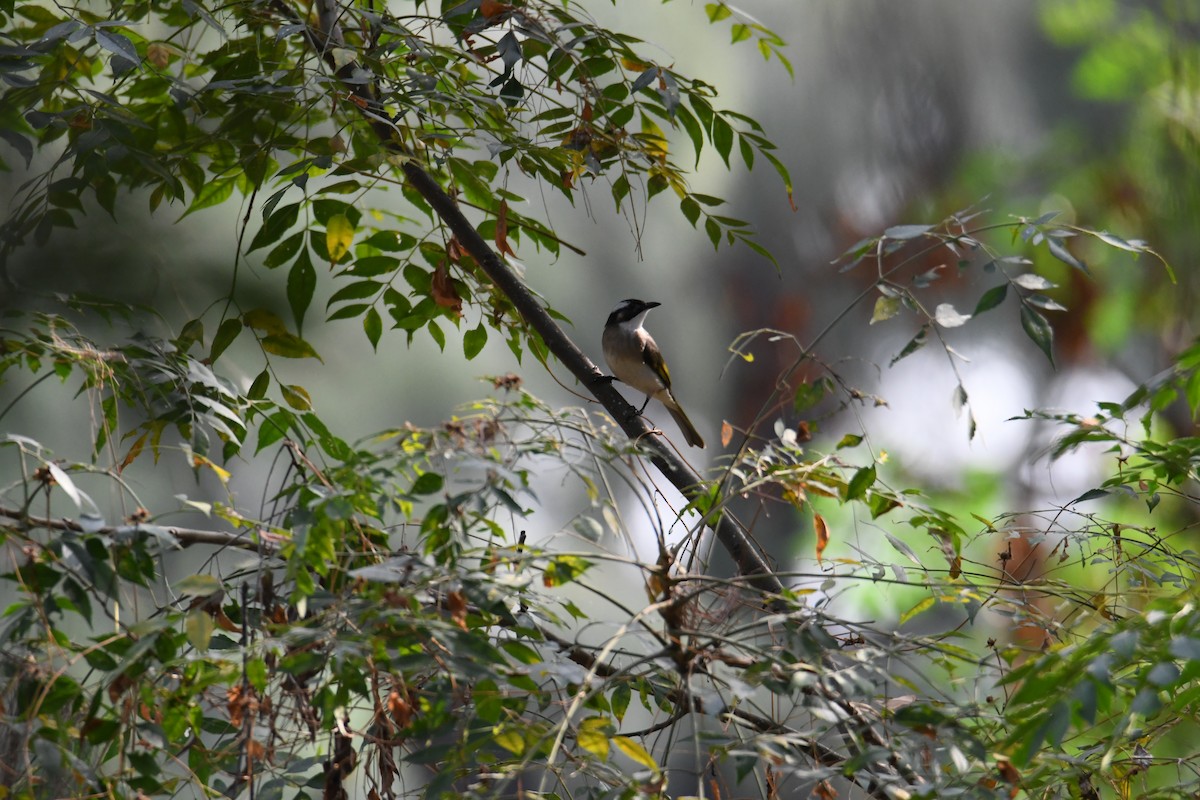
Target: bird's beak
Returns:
[[652, 304]]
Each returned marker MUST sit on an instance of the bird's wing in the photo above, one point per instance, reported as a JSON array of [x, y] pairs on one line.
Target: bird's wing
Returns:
[[653, 359]]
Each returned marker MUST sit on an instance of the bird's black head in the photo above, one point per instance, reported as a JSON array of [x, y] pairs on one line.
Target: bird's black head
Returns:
[[630, 309]]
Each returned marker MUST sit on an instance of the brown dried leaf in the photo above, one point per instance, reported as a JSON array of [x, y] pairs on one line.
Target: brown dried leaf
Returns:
[[457, 605], [822, 531], [444, 292], [502, 230]]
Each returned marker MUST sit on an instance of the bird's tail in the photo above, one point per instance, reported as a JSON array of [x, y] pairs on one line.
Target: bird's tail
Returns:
[[690, 434]]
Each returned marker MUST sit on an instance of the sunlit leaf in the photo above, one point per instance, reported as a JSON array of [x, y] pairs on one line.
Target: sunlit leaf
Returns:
[[1033, 282], [593, 736], [923, 605], [339, 235], [885, 308], [948, 317], [65, 483], [635, 752]]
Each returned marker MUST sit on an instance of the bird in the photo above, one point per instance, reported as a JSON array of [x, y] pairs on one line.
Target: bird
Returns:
[[635, 359]]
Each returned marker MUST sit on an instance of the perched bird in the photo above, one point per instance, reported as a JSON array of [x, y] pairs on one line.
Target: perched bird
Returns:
[[634, 358]]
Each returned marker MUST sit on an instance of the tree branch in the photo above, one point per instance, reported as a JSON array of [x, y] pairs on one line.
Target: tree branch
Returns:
[[185, 536], [732, 535]]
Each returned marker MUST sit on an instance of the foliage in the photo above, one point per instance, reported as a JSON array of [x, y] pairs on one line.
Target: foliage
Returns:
[[379, 623]]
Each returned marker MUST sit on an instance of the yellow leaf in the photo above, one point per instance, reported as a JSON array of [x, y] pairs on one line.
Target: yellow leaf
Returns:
[[199, 628], [510, 739], [201, 461], [339, 234], [593, 735], [653, 140], [198, 585], [726, 433], [635, 752], [920, 607]]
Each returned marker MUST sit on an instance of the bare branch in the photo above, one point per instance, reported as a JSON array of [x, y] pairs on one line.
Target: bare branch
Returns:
[[186, 537]]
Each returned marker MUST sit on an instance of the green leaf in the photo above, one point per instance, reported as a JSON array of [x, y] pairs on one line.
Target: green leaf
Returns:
[[371, 266], [903, 232], [991, 298], [474, 340], [373, 327], [809, 394], [226, 333], [619, 699], [359, 290], [273, 428], [784, 175], [1059, 251], [260, 319], [713, 229], [301, 284], [863, 479], [717, 11], [296, 397], [428, 483], [914, 344], [275, 226], [348, 311], [690, 209], [694, 131], [288, 345], [722, 137], [258, 389], [198, 585], [1038, 329], [212, 193], [885, 308], [741, 32], [199, 627], [285, 251], [118, 44]]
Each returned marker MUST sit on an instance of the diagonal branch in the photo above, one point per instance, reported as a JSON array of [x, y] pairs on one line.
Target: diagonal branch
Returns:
[[732, 535]]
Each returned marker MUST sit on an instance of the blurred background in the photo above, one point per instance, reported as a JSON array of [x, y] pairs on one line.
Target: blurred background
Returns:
[[898, 113]]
